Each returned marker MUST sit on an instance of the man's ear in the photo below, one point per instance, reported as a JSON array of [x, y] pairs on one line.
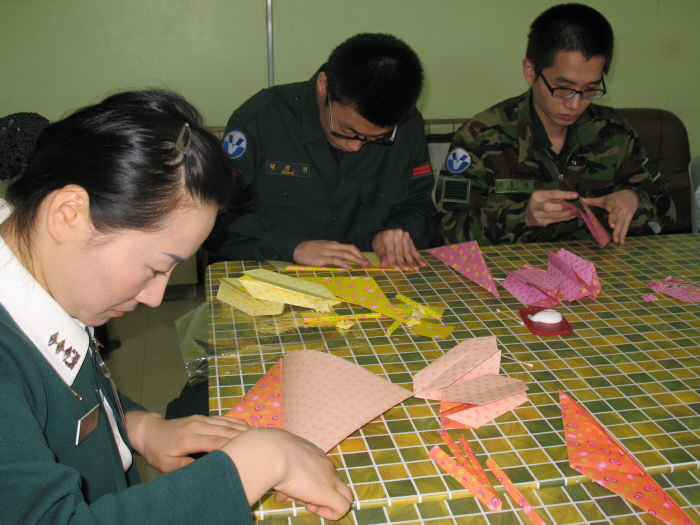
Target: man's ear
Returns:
[[529, 71], [322, 84], [69, 214]]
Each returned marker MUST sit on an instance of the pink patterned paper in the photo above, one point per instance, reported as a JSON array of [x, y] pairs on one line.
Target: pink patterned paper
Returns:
[[473, 416], [470, 358], [570, 285], [583, 268], [327, 398], [600, 234], [528, 294], [685, 292], [483, 389], [467, 259], [537, 277]]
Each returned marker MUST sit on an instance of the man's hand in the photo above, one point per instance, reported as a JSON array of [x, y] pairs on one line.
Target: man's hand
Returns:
[[395, 248], [297, 469], [166, 443], [324, 253], [621, 205], [549, 206]]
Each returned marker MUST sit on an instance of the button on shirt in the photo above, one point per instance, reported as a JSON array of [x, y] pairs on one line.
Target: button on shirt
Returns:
[[292, 187]]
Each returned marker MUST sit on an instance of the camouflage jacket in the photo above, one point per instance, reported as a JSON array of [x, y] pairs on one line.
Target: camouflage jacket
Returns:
[[494, 165]]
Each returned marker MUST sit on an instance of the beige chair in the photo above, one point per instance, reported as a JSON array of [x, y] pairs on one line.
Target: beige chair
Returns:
[[694, 172]]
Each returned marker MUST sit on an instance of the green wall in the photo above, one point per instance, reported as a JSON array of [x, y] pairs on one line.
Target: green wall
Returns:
[[58, 55]]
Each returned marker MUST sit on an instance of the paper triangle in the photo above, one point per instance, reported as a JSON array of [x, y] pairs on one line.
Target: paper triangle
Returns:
[[467, 259]]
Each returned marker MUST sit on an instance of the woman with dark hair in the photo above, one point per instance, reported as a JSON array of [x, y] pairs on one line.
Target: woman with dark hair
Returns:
[[101, 206]]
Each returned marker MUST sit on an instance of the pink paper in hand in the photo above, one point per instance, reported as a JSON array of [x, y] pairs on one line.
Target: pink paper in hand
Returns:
[[467, 259], [600, 234]]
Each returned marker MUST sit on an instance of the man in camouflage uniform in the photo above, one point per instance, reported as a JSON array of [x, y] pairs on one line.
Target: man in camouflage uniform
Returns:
[[512, 170]]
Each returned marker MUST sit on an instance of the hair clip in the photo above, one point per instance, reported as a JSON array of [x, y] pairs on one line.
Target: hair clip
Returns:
[[181, 145]]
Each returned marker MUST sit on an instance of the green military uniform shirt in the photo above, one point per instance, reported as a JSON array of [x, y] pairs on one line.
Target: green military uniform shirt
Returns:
[[495, 162], [292, 187], [49, 473]]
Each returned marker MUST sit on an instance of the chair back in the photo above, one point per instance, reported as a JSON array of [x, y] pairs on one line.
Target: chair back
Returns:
[[694, 172]]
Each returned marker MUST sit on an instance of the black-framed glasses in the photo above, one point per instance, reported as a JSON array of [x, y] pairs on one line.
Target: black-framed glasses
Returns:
[[586, 94], [384, 141]]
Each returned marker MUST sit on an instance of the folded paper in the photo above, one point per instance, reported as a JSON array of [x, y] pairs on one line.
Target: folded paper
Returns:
[[514, 493], [466, 469], [232, 292], [322, 397], [567, 275], [599, 232], [467, 382], [684, 292], [467, 259], [594, 453], [271, 286], [469, 359]]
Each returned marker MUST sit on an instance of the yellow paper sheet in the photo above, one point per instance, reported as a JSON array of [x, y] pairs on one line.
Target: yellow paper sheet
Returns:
[[232, 292]]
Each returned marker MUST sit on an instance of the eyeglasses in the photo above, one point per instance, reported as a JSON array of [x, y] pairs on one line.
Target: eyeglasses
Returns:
[[586, 94], [383, 141]]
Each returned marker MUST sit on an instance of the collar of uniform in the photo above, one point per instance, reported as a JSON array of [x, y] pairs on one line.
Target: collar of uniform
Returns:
[[584, 129], [311, 129], [37, 313]]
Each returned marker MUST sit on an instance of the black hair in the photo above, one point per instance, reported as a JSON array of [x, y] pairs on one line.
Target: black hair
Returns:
[[569, 27], [378, 75], [123, 152]]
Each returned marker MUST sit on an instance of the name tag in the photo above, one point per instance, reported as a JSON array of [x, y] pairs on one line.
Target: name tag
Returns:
[[287, 168], [87, 424], [514, 186]]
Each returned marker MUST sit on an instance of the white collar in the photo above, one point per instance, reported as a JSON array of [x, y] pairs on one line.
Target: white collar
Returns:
[[39, 315]]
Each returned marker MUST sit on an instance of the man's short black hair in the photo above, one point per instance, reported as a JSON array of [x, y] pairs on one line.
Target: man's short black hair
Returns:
[[377, 75], [569, 27]]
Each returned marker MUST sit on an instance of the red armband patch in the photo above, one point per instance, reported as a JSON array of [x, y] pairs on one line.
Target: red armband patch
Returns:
[[423, 169]]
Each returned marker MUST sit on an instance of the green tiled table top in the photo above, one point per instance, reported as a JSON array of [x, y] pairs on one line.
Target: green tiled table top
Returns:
[[635, 365], [584, 504]]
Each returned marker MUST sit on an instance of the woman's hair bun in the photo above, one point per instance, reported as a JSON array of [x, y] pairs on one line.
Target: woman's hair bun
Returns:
[[19, 134]]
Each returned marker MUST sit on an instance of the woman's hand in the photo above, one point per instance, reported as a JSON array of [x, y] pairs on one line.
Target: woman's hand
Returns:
[[166, 443], [297, 469]]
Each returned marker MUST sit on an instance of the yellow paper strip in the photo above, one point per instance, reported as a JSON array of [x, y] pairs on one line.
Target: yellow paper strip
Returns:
[[434, 331]]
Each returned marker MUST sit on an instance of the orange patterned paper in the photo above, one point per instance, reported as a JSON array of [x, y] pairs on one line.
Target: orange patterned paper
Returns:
[[261, 406], [466, 469], [515, 493], [594, 453]]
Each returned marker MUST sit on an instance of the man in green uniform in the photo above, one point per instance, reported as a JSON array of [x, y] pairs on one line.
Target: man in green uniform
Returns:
[[333, 166], [515, 172]]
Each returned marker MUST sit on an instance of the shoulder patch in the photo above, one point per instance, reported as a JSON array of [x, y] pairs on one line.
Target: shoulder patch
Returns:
[[423, 169], [458, 161], [235, 144]]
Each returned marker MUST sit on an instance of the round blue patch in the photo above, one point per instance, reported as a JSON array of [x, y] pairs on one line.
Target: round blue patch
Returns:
[[458, 161], [235, 144]]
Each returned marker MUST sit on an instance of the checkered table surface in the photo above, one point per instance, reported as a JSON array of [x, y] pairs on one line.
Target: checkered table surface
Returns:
[[635, 365]]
